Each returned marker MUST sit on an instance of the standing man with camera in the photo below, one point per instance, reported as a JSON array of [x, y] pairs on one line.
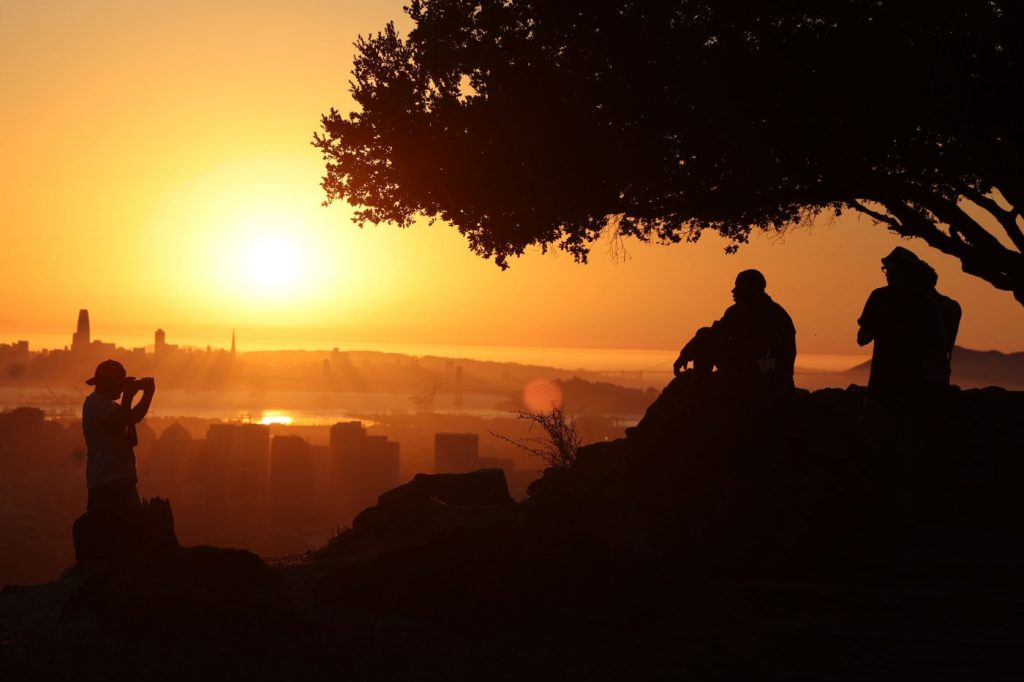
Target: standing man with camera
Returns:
[[110, 438]]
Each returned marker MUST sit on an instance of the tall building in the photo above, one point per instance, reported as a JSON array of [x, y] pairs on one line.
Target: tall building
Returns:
[[160, 345], [361, 468], [232, 343], [236, 460], [456, 453], [292, 481], [81, 339]]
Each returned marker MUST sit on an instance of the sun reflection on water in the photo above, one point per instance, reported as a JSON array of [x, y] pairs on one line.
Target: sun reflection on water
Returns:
[[275, 418]]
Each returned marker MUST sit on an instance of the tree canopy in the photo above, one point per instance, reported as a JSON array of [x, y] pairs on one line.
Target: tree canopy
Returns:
[[527, 122]]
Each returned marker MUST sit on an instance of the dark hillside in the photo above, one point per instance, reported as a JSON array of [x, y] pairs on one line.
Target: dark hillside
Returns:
[[730, 536]]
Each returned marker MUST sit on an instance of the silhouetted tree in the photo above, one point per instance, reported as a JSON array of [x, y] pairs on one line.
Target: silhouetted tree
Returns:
[[534, 122]]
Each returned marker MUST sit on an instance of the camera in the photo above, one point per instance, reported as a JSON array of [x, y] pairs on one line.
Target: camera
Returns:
[[134, 385]]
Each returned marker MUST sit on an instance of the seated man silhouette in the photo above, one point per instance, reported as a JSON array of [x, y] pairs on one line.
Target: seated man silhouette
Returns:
[[754, 343], [110, 438], [913, 328]]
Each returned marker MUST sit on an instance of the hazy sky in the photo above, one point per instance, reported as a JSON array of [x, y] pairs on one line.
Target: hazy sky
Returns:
[[157, 170]]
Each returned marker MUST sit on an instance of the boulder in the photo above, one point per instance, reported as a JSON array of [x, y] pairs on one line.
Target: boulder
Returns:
[[176, 587], [481, 488], [426, 506], [101, 538]]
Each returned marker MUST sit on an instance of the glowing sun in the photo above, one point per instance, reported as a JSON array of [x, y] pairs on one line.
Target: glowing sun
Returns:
[[273, 262]]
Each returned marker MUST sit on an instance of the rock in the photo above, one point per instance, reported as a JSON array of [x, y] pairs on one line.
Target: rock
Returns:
[[426, 506], [481, 488], [103, 538], [176, 587], [717, 483], [429, 500]]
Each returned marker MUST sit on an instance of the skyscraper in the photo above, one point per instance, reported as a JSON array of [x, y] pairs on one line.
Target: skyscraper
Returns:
[[81, 338], [456, 453], [292, 481], [361, 468]]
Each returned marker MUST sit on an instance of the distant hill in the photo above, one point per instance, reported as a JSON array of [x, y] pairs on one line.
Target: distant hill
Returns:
[[971, 369]]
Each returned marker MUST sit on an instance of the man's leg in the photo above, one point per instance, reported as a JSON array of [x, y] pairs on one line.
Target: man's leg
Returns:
[[117, 497], [115, 508]]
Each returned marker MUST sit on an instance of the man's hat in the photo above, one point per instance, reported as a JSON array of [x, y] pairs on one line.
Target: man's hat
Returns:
[[901, 257], [108, 371]]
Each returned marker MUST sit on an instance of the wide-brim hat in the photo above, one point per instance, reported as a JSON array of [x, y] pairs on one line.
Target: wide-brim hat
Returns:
[[106, 372]]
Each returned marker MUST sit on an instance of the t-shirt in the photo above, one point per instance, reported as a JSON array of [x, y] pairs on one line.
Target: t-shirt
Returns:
[[110, 452]]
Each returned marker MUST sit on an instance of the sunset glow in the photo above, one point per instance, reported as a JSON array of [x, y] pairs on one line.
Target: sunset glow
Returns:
[[216, 221]]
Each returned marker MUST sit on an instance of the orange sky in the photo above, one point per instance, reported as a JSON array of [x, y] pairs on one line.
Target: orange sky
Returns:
[[156, 154]]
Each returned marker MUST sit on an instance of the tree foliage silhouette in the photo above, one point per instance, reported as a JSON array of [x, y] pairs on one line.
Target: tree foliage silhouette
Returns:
[[529, 122]]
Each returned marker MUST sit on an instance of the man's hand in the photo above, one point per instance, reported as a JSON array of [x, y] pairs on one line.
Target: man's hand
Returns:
[[679, 365], [148, 384], [131, 388]]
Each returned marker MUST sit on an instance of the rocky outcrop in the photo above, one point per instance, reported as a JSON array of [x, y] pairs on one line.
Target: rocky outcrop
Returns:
[[429, 505], [131, 571], [719, 484], [103, 538], [179, 587], [482, 488]]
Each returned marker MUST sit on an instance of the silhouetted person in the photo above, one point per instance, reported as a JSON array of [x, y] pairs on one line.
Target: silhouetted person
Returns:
[[913, 328], [912, 325], [940, 368], [755, 341], [110, 438]]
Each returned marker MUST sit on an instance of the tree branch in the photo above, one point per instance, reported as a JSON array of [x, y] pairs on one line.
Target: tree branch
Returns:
[[876, 215], [1007, 219], [999, 272]]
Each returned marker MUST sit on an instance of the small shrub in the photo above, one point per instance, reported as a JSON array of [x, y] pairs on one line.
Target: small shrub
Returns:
[[561, 439]]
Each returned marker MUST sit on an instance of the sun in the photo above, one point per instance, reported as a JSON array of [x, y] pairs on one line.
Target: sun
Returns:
[[273, 263]]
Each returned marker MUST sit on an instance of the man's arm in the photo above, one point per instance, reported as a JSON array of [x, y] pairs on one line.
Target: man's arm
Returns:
[[125, 413], [138, 413], [726, 327], [696, 350], [121, 417], [866, 332]]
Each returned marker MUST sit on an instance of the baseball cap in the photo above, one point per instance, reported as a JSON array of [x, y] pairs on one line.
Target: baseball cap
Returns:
[[107, 371]]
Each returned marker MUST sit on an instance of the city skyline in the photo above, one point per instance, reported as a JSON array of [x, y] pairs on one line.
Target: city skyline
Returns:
[[600, 359]]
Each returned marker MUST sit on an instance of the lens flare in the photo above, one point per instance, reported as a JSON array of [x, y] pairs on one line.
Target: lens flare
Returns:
[[542, 395]]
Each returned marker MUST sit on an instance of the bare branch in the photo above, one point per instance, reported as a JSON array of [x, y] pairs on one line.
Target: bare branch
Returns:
[[561, 440], [1007, 219]]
